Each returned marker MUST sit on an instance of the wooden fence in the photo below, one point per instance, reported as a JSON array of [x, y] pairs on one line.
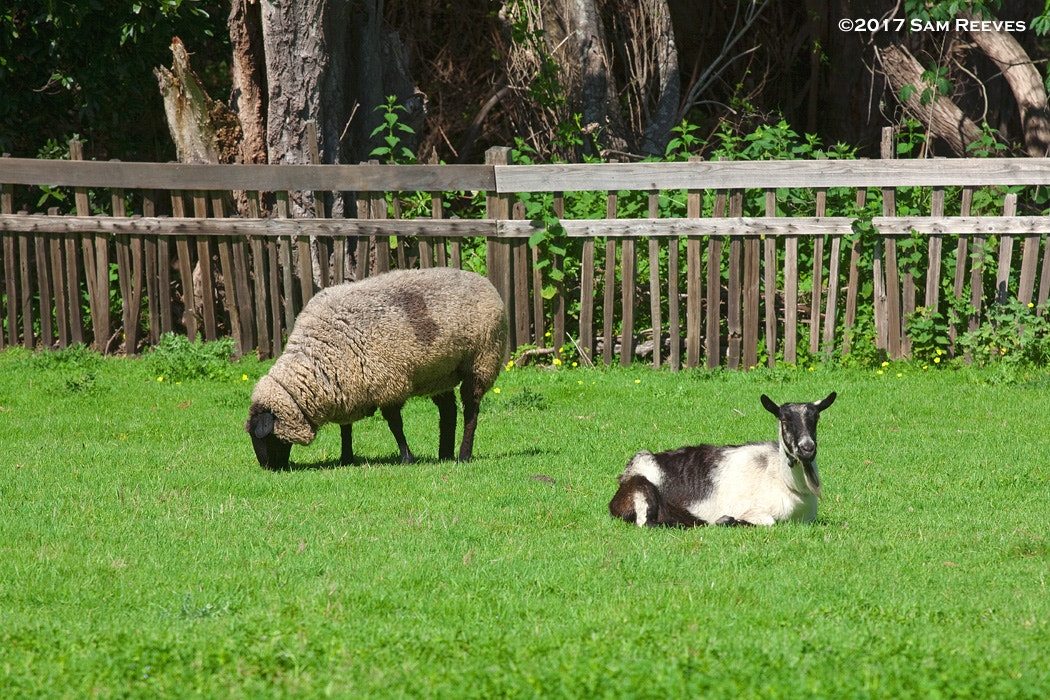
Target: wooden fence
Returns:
[[182, 262]]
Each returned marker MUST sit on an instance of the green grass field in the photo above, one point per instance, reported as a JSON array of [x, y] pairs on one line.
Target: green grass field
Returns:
[[145, 553]]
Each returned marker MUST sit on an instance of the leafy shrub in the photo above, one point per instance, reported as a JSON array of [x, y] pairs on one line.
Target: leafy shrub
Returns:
[[74, 368], [928, 330], [1012, 334], [176, 358]]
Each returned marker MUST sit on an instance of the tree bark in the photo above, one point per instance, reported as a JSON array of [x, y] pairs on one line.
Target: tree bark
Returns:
[[1025, 84], [943, 117], [590, 77], [248, 98], [204, 130], [298, 60], [667, 85]]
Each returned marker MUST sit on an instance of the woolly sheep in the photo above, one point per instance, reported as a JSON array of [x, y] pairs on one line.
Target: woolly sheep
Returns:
[[760, 483], [368, 345]]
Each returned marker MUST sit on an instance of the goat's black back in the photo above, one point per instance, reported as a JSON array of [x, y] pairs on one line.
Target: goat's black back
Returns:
[[687, 475]]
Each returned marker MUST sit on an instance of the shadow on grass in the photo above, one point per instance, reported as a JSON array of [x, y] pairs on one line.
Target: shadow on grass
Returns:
[[394, 460]]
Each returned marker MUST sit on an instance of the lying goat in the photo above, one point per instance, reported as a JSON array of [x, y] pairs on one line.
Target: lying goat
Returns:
[[760, 483]]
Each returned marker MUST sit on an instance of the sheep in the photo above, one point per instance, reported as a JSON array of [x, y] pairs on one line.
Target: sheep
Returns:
[[760, 483], [373, 344]]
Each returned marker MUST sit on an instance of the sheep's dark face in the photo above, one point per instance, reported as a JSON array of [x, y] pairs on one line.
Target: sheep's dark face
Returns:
[[271, 452]]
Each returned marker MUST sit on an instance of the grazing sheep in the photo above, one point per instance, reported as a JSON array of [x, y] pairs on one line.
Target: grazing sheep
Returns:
[[373, 344], [760, 483]]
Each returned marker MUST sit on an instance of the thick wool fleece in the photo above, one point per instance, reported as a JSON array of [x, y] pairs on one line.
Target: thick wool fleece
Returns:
[[362, 345]]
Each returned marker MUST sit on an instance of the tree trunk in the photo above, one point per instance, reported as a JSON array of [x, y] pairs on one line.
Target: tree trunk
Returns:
[[590, 76], [666, 85], [1025, 83], [617, 68], [943, 117], [204, 130], [305, 72], [248, 98]]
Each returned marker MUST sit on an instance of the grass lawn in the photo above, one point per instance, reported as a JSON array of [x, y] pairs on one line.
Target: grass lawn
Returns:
[[143, 552]]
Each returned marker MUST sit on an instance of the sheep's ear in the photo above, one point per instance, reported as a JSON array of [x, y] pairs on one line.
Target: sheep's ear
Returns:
[[770, 406], [261, 425], [821, 405]]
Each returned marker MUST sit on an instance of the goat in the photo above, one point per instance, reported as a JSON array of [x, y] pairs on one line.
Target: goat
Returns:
[[760, 483]]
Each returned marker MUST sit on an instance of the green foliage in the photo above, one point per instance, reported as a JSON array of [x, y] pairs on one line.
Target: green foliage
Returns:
[[1012, 334], [683, 142], [928, 331], [143, 552], [393, 131], [86, 67], [176, 359]]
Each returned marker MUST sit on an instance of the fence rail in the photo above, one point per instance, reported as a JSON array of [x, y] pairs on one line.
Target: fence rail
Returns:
[[724, 287]]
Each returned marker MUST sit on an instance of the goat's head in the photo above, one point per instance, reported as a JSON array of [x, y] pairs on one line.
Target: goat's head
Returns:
[[798, 433]]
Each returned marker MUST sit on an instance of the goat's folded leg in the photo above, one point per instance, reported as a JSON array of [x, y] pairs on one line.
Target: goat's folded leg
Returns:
[[729, 521]]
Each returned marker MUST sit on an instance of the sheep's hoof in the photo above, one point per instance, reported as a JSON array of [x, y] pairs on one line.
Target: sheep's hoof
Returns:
[[730, 521]]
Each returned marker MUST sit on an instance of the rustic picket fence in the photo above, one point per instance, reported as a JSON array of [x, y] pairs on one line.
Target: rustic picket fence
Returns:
[[737, 292]]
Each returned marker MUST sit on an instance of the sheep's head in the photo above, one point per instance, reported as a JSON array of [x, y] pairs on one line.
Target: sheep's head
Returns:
[[798, 433], [271, 451], [275, 423]]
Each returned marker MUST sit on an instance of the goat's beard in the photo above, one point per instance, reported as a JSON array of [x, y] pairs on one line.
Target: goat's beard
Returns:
[[809, 471]]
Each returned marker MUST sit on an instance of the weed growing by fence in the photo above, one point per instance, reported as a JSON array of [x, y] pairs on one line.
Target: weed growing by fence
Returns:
[[176, 358]]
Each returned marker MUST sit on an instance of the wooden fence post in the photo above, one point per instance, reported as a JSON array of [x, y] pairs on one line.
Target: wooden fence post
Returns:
[[628, 275], [850, 314], [818, 276], [654, 281], [586, 345], [7, 206], [98, 294], [893, 287], [770, 283], [694, 287], [609, 290], [200, 211], [498, 252], [714, 288], [1006, 252]]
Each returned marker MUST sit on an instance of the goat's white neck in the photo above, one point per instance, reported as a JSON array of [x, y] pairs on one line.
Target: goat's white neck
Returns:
[[800, 476]]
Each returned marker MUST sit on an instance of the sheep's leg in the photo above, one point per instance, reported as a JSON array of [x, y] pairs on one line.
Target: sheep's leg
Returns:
[[393, 419], [346, 458], [470, 393], [446, 403]]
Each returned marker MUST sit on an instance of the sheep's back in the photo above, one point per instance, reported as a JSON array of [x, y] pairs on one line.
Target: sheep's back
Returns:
[[388, 338]]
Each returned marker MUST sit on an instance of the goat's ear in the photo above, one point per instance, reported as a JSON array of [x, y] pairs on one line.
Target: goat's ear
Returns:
[[821, 405], [261, 425], [770, 406]]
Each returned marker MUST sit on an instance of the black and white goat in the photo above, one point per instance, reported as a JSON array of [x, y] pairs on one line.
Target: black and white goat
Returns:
[[760, 483]]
